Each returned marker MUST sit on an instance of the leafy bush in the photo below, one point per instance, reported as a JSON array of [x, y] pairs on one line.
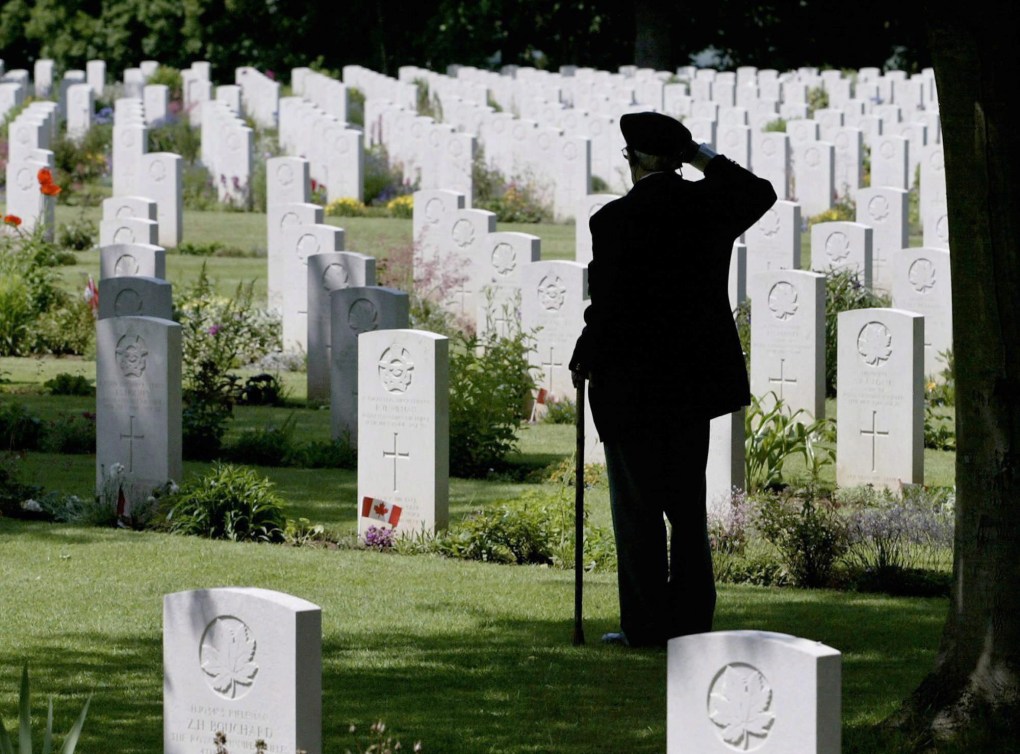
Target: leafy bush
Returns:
[[843, 292], [218, 334], [68, 329], [229, 502], [176, 135], [401, 206], [844, 209], [346, 207], [535, 528], [490, 379], [809, 534], [80, 234], [13, 492], [19, 430], [69, 384], [383, 181], [74, 434], [563, 411], [264, 446], [772, 436], [328, 454], [82, 162], [518, 200]]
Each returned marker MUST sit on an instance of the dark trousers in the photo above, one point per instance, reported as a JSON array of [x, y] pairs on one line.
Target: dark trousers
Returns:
[[662, 472]]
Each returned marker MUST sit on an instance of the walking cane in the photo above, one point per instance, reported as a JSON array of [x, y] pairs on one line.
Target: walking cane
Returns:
[[579, 519]]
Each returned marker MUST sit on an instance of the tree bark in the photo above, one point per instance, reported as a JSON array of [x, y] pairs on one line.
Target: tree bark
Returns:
[[973, 692]]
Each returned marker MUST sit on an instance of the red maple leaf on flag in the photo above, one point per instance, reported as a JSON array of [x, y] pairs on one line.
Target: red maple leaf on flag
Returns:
[[380, 509]]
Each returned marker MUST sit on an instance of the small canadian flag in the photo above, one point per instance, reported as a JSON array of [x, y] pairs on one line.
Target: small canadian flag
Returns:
[[92, 294], [380, 510], [542, 395]]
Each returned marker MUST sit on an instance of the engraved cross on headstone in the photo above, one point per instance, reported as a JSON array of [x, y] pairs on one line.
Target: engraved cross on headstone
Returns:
[[548, 365], [395, 456], [875, 434], [131, 437], [459, 297], [781, 379]]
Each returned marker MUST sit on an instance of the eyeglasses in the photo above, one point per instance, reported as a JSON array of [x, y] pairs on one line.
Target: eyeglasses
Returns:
[[626, 154]]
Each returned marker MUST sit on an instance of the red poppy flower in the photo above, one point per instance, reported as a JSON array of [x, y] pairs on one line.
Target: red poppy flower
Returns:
[[12, 220], [49, 189], [45, 176]]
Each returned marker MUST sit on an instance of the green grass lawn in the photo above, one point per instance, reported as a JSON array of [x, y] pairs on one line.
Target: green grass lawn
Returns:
[[466, 657]]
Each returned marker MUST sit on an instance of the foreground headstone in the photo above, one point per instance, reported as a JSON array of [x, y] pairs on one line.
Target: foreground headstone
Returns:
[[752, 691], [404, 428], [880, 398], [138, 404], [245, 662]]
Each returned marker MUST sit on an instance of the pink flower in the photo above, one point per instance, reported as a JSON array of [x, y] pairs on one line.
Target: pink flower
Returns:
[[214, 330]]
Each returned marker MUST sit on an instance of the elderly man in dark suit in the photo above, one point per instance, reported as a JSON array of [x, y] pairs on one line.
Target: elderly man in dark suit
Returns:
[[662, 356]]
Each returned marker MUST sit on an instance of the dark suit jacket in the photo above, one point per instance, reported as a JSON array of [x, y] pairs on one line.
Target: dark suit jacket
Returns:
[[659, 341]]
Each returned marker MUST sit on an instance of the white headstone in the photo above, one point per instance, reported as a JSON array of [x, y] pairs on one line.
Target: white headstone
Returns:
[[773, 243], [815, 176], [500, 267], [132, 260], [554, 295], [590, 204], [329, 272], [404, 428], [300, 242], [138, 403], [752, 691], [128, 230], [788, 340], [161, 181], [885, 210], [921, 282], [842, 245], [724, 469], [243, 661], [880, 398]]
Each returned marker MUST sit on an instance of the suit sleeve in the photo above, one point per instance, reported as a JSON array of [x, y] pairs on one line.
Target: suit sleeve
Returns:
[[741, 197]]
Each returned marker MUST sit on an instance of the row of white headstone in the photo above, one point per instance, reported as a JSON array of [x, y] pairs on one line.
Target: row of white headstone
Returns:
[[246, 663]]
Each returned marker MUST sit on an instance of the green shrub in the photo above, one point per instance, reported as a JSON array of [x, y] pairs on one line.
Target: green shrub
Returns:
[[13, 492], [176, 135], [535, 528], [264, 446], [169, 77], [562, 411], [772, 436], [68, 329], [809, 534], [16, 315], [490, 378], [843, 292], [82, 162], [229, 502], [383, 181], [198, 192], [80, 234], [518, 200], [326, 454], [19, 430], [74, 434]]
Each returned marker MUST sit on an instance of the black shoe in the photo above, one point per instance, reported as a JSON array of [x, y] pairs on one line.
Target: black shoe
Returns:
[[615, 637]]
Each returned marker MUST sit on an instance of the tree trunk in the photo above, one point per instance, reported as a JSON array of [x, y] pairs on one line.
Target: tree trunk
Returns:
[[652, 31], [973, 692]]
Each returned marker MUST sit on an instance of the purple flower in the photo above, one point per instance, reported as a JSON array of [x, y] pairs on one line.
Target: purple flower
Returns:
[[377, 538], [214, 330]]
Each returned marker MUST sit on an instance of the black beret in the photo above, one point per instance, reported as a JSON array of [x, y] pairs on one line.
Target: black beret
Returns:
[[654, 133]]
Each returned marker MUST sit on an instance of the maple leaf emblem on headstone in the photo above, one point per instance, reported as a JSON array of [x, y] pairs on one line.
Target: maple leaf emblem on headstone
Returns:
[[837, 247], [874, 343], [227, 658], [878, 208], [922, 275], [504, 260], [739, 704], [363, 316], [463, 233], [783, 300], [769, 224]]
